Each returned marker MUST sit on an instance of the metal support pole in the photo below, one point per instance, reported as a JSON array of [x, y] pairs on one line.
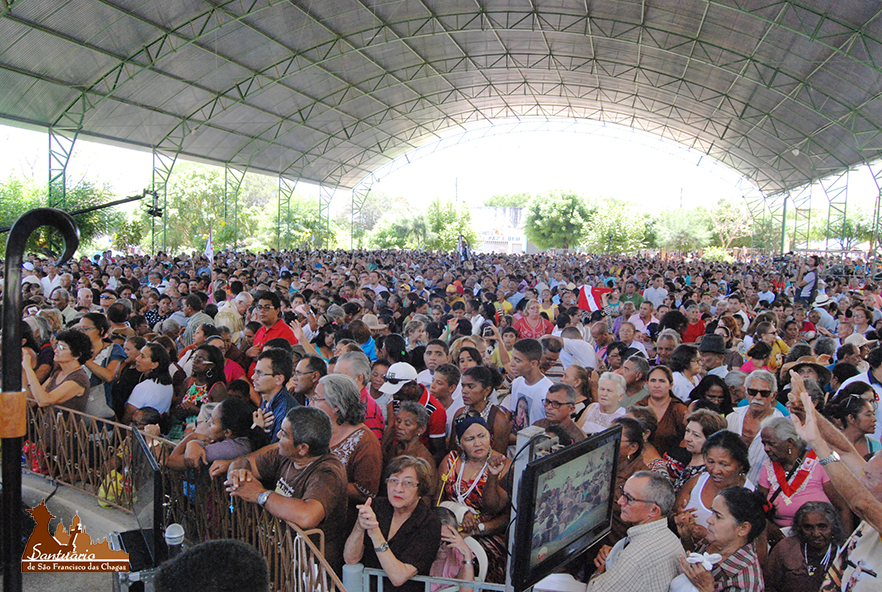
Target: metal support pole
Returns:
[[286, 192], [13, 424], [163, 163]]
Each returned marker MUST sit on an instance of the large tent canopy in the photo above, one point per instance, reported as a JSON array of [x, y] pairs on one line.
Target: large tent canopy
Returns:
[[327, 91]]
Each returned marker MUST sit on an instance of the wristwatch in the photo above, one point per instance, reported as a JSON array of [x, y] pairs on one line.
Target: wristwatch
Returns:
[[383, 547], [482, 527], [261, 499], [834, 457]]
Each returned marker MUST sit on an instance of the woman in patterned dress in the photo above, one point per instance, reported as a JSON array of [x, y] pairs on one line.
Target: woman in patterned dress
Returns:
[[477, 477]]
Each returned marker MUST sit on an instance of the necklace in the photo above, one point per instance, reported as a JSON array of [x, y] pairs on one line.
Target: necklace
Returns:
[[825, 561], [460, 496]]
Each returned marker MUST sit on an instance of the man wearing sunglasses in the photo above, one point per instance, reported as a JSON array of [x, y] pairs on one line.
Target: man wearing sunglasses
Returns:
[[762, 390], [646, 559]]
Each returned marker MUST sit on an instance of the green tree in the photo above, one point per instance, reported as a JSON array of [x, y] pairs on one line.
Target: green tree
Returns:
[[557, 220], [376, 205], [128, 234], [445, 223], [730, 220], [196, 205], [298, 227], [515, 200], [404, 232], [18, 196], [682, 230], [616, 227]]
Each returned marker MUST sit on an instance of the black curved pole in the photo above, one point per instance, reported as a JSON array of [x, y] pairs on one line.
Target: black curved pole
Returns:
[[11, 363]]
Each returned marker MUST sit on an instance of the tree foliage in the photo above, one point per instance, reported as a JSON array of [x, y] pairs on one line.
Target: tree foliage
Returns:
[[557, 220], [128, 235], [730, 220], [616, 227], [445, 223], [17, 196], [376, 205], [682, 230], [514, 200]]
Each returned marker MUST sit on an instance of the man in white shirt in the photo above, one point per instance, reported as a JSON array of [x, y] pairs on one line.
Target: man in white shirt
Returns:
[[656, 293], [646, 559], [530, 387], [52, 279]]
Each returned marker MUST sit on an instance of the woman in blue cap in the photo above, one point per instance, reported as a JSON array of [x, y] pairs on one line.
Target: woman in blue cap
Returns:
[[476, 480]]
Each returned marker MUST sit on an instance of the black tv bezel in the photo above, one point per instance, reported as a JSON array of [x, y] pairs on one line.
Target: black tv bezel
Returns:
[[160, 550], [523, 576]]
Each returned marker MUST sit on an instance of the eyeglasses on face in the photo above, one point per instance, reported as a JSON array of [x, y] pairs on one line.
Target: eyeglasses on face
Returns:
[[630, 499], [765, 394], [554, 404], [258, 373], [405, 483], [265, 307]]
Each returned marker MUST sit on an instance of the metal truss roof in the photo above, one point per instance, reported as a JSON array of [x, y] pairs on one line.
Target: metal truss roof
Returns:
[[330, 90]]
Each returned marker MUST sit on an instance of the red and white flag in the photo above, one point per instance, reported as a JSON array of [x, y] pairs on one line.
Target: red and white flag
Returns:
[[589, 297]]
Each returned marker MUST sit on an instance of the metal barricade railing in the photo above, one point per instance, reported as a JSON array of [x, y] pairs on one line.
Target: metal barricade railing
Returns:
[[85, 452], [92, 455], [372, 580]]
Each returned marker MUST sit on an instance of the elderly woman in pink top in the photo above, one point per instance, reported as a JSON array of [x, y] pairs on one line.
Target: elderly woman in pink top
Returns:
[[793, 476]]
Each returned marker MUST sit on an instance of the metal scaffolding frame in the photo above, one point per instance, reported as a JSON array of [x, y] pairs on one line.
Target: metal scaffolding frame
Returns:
[[784, 91], [835, 187], [286, 192], [163, 164], [233, 178]]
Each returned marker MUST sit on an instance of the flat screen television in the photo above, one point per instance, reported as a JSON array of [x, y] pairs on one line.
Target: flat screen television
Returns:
[[146, 546], [565, 505]]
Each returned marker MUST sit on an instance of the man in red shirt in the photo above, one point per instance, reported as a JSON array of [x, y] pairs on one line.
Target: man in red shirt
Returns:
[[269, 314]]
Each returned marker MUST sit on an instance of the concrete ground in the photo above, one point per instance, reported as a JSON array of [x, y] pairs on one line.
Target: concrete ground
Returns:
[[97, 523]]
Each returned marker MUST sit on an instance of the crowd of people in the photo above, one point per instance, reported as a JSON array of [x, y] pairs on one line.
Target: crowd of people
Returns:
[[377, 396]]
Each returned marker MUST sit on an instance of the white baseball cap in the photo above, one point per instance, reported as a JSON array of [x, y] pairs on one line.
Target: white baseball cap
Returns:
[[398, 374]]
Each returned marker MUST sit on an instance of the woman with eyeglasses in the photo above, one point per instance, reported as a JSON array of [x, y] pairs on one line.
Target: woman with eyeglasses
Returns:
[[476, 480], [207, 385], [726, 465], [106, 360], [351, 441], [614, 355], [399, 533], [791, 476], [477, 385], [853, 409], [68, 384]]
